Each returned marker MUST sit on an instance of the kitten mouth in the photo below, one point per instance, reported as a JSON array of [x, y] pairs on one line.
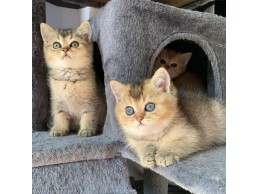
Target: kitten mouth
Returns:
[[66, 56], [140, 125]]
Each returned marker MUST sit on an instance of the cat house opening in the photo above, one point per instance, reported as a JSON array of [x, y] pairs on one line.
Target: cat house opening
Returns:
[[199, 63]]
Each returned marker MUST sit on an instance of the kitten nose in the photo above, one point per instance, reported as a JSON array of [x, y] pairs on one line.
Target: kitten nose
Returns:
[[139, 118], [65, 49]]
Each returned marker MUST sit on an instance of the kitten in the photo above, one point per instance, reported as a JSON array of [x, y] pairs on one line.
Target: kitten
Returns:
[[176, 63], [189, 81], [77, 103], [163, 124]]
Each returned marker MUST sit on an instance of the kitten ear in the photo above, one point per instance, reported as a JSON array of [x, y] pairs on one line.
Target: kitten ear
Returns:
[[185, 57], [117, 89], [47, 32], [84, 30], [161, 80]]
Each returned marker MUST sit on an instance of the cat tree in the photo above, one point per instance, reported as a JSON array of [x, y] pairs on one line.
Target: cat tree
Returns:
[[129, 34]]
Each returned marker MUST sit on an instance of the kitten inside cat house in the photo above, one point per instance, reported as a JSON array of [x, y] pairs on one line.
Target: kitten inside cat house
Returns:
[[184, 53]]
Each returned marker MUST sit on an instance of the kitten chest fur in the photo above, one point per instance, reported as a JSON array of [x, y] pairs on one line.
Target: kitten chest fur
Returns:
[[73, 97]]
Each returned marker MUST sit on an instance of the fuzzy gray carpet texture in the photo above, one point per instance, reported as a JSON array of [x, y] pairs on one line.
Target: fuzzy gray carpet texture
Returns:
[[74, 164], [47, 150], [85, 177], [201, 173]]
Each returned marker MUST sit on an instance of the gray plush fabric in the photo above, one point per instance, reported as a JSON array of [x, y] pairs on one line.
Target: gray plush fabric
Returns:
[[202, 173], [40, 91], [154, 183], [47, 150], [131, 33], [74, 164], [85, 177]]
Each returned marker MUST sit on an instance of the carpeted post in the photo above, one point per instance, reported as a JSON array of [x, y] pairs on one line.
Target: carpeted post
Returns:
[[40, 93], [154, 183]]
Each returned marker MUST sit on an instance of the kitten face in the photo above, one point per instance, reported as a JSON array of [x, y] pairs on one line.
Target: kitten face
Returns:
[[145, 108], [174, 62], [67, 48]]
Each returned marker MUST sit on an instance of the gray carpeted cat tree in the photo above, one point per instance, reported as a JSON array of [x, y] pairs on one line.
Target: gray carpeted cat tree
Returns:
[[129, 34]]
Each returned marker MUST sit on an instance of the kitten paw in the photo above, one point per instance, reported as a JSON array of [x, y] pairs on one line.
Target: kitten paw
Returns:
[[148, 159], [87, 132], [58, 132], [165, 159]]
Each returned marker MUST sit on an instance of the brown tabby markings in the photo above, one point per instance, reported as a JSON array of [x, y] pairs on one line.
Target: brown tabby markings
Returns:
[[66, 32], [136, 90]]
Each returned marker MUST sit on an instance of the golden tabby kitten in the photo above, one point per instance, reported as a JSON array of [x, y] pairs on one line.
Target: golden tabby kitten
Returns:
[[163, 125], [76, 101], [189, 81], [176, 63]]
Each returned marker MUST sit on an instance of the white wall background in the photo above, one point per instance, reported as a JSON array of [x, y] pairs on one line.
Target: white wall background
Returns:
[[61, 17]]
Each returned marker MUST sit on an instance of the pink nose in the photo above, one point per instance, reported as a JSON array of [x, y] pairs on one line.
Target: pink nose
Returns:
[[65, 49], [140, 118]]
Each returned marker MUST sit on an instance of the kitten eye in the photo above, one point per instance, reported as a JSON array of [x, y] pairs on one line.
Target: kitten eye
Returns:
[[74, 44], [129, 111], [162, 61], [56, 45], [150, 107], [173, 65]]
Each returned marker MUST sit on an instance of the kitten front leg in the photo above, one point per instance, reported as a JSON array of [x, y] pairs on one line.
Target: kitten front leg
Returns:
[[147, 157], [145, 151], [60, 125], [166, 158], [176, 150], [88, 124]]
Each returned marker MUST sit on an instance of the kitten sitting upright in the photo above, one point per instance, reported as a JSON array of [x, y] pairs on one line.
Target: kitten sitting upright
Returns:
[[77, 103], [176, 63], [163, 125]]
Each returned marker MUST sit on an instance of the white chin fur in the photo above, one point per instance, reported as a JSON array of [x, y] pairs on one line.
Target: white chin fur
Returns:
[[145, 131]]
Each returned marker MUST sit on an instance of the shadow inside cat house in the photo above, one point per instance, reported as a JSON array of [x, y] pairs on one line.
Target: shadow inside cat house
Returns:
[[186, 62], [97, 63]]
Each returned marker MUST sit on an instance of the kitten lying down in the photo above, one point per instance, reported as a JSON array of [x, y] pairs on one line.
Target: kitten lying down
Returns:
[[163, 125]]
